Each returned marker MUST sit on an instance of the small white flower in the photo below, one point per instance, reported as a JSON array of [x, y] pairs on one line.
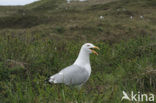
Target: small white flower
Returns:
[[141, 17], [131, 17], [101, 17]]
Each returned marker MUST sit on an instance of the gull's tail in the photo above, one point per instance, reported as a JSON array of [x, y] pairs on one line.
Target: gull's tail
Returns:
[[52, 79], [57, 78]]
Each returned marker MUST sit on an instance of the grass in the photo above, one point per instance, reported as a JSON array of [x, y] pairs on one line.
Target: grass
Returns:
[[47, 38]]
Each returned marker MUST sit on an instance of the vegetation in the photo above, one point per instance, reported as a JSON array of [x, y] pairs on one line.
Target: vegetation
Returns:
[[40, 39]]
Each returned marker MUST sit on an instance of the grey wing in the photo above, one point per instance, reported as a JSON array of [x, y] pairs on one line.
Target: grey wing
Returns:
[[74, 75]]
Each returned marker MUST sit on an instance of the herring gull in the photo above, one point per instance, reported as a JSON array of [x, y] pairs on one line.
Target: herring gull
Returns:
[[79, 72]]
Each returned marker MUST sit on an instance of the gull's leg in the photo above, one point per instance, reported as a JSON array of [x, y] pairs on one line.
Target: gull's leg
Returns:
[[79, 86]]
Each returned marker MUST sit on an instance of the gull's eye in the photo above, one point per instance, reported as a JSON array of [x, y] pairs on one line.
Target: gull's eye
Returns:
[[88, 45]]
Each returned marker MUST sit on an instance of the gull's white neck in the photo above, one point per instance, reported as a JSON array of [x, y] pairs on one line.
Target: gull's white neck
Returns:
[[83, 60]]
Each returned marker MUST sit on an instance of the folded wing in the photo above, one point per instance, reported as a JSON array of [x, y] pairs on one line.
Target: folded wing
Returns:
[[71, 75]]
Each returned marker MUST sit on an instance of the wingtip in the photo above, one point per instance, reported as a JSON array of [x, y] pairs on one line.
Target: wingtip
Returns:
[[47, 81]]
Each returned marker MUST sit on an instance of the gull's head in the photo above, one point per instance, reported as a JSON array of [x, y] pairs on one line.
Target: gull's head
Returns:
[[90, 48]]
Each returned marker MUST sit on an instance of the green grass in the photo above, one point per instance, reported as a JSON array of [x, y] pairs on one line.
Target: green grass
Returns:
[[48, 37], [117, 68]]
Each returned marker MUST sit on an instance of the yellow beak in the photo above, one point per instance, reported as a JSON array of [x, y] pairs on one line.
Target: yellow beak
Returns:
[[93, 51]]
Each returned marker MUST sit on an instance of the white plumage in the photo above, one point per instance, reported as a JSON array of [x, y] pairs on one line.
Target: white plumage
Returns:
[[79, 72]]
